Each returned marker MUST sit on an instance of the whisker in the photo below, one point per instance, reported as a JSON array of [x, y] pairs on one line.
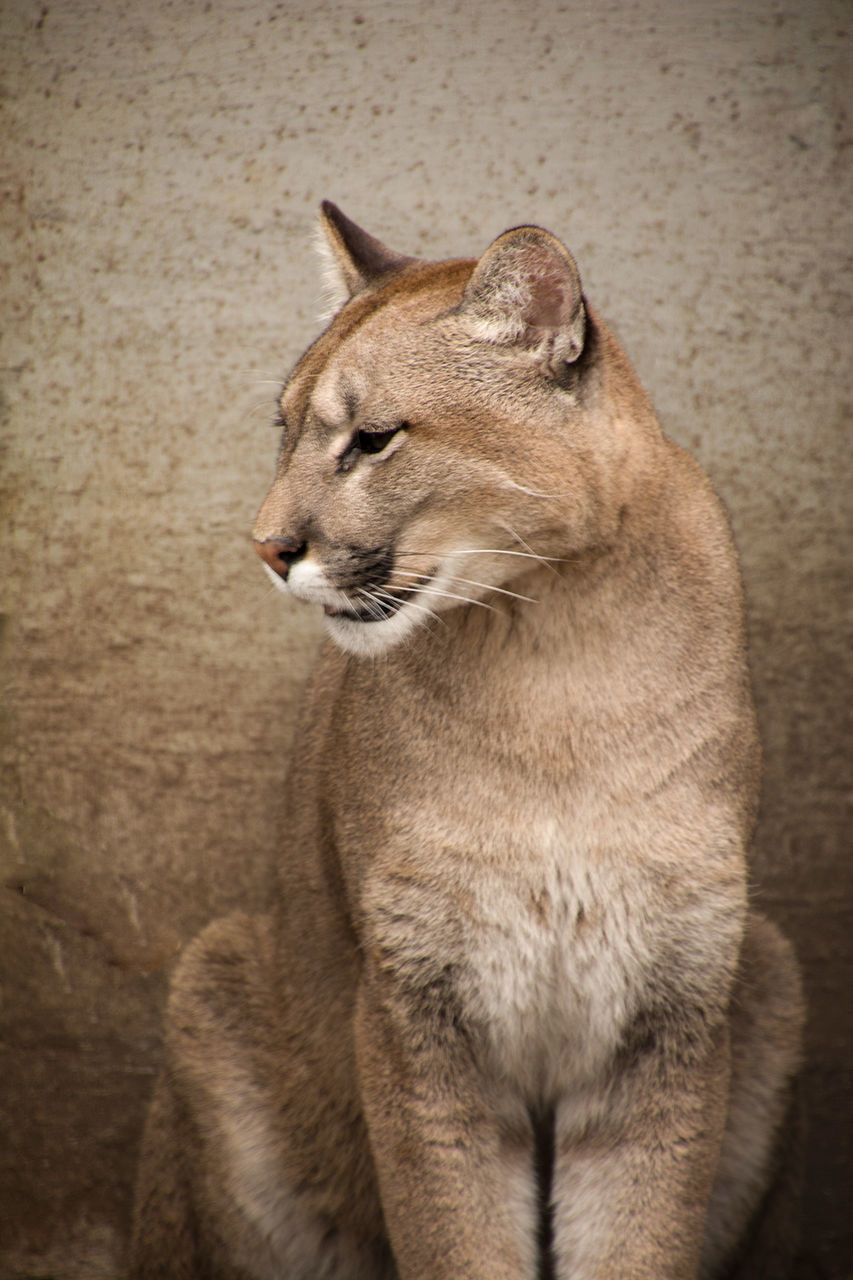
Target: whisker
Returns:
[[429, 615], [252, 412], [372, 597], [349, 602], [547, 561], [264, 375], [255, 598], [449, 595], [411, 573], [387, 595], [487, 586], [488, 551], [470, 582], [373, 606]]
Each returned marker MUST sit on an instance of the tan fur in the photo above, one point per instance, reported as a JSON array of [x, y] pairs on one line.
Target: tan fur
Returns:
[[510, 1015]]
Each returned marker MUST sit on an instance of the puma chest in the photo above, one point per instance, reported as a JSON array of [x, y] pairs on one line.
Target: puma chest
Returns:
[[545, 958]]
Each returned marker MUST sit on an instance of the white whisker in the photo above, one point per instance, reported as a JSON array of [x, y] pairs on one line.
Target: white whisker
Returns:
[[254, 601], [548, 561], [373, 606], [264, 375], [449, 595], [387, 595], [411, 573], [265, 405], [487, 586], [349, 603], [488, 551], [470, 582]]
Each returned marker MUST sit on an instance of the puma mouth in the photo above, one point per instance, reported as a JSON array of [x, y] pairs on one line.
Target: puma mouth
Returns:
[[379, 611], [377, 608]]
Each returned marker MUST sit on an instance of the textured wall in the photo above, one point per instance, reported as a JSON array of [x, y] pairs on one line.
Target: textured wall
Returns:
[[161, 167]]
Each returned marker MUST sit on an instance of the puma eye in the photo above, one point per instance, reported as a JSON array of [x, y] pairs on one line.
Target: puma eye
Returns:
[[280, 425], [376, 441], [367, 442]]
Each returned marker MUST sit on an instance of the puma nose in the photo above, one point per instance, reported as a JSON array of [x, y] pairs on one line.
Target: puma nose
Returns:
[[279, 554]]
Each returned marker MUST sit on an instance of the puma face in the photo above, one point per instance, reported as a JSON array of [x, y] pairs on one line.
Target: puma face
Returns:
[[438, 440]]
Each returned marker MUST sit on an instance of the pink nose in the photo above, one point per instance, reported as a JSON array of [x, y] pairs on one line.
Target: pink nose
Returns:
[[279, 553]]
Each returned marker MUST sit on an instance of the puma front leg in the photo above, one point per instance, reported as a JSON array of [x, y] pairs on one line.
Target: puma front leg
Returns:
[[635, 1164], [453, 1157]]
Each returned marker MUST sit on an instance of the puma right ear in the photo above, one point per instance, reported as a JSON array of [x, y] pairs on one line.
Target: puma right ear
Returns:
[[526, 292], [355, 260]]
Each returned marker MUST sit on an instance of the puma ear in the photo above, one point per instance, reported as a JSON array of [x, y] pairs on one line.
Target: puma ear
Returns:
[[355, 261], [526, 292]]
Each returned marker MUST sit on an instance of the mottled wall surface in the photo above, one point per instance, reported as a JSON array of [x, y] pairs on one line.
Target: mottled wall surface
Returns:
[[161, 166]]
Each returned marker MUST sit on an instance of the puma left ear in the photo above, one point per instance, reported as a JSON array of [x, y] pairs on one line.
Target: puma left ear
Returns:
[[356, 261], [526, 292]]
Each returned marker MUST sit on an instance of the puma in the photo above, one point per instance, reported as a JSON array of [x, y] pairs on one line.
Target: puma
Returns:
[[511, 1014]]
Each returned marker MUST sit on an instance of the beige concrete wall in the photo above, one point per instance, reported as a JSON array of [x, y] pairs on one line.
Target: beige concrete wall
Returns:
[[161, 167]]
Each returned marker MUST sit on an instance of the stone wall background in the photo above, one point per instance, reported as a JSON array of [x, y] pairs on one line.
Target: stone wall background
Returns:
[[161, 166]]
